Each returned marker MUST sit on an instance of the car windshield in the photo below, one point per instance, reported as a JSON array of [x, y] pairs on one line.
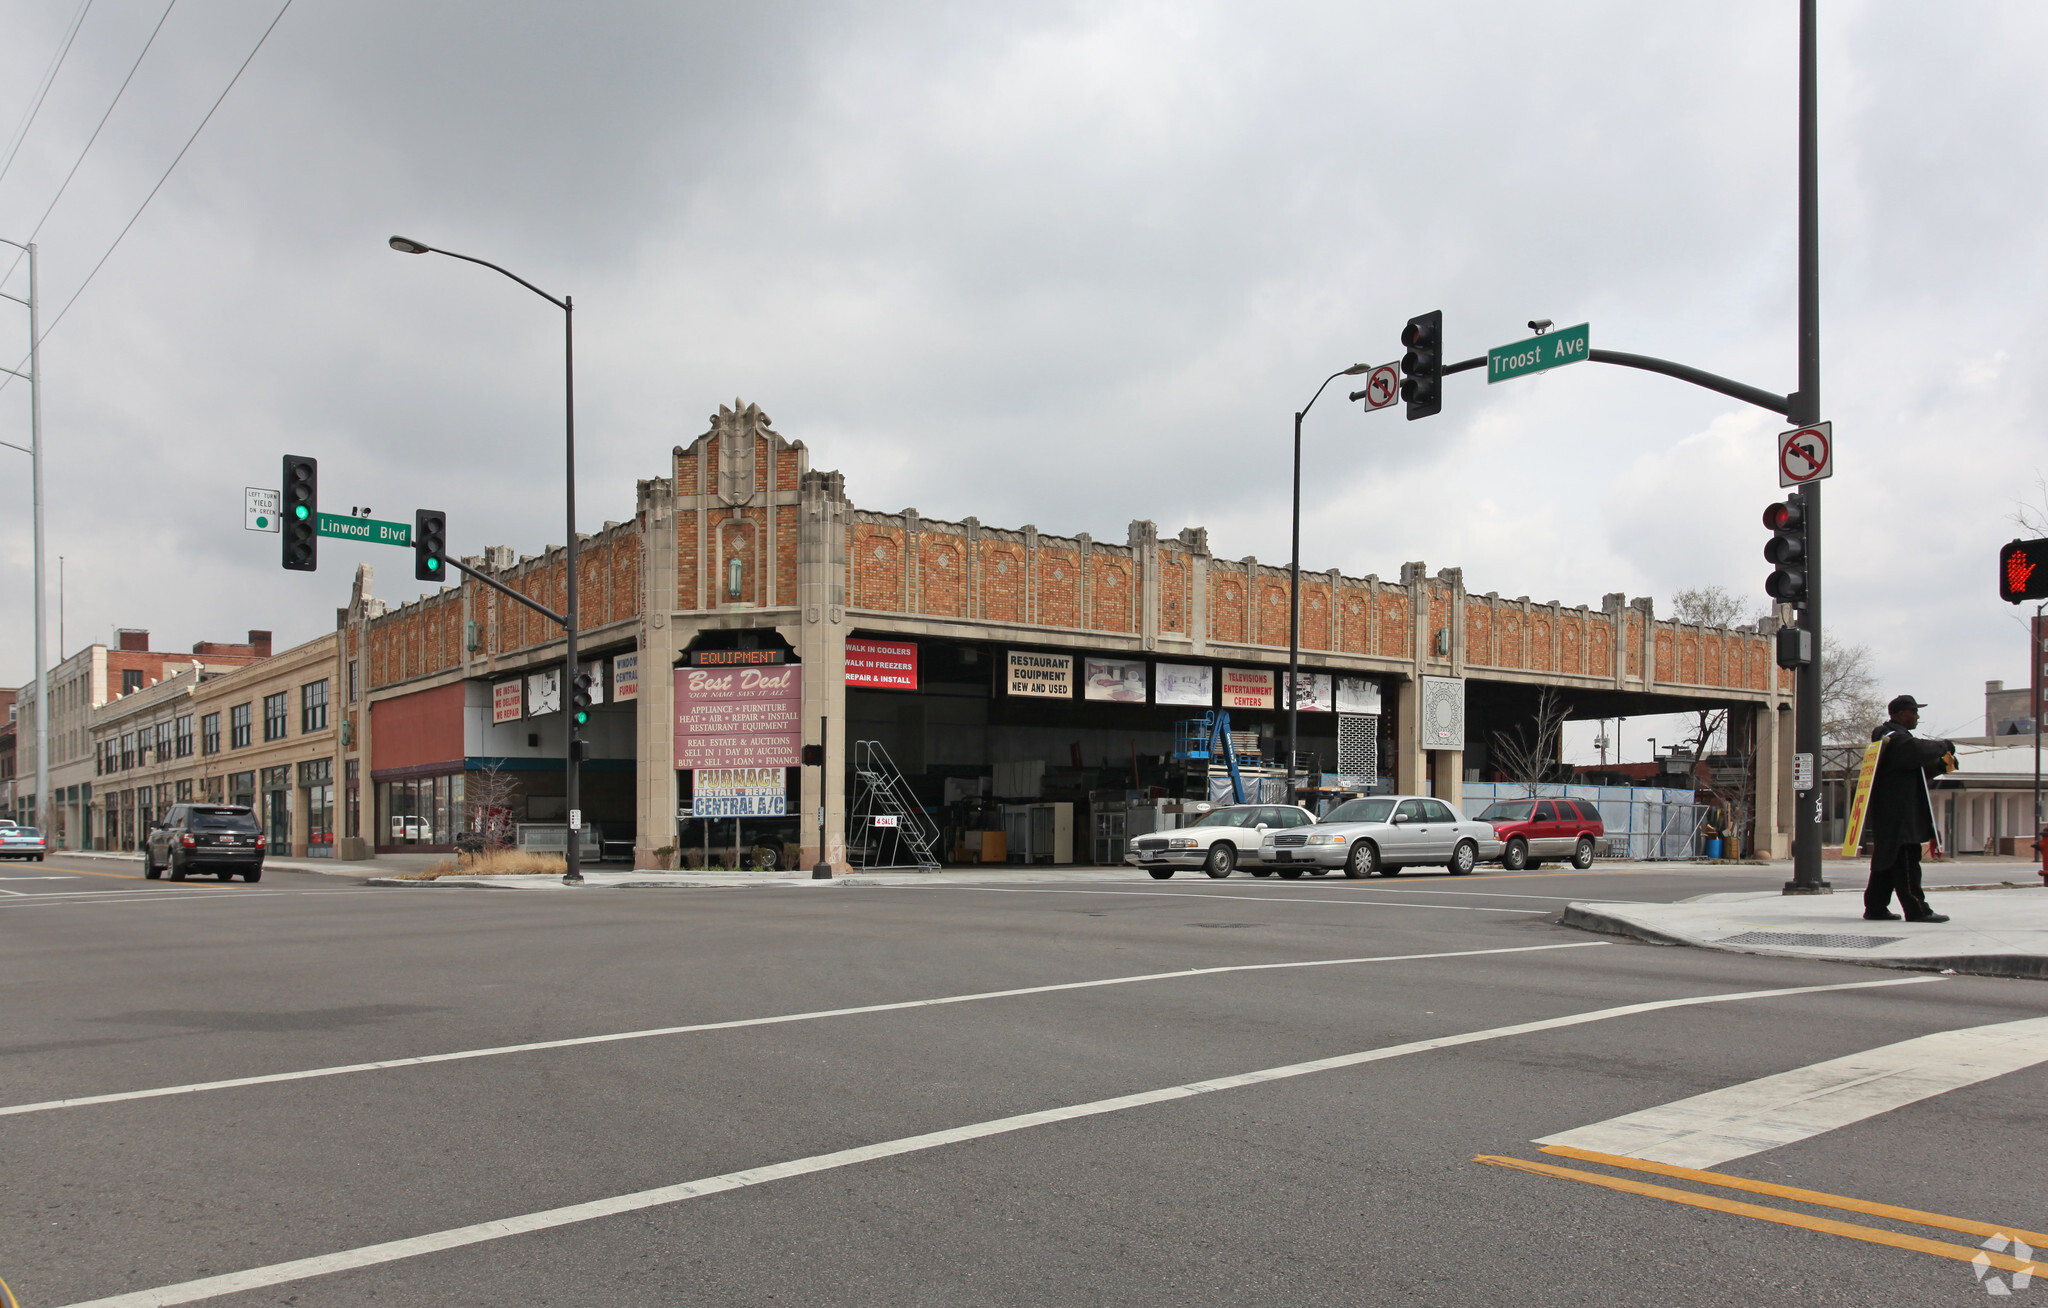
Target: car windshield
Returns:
[[1517, 811], [223, 819], [1224, 817], [1361, 810]]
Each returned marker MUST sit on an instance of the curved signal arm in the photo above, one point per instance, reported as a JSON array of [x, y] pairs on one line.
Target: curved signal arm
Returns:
[[1763, 399], [496, 585]]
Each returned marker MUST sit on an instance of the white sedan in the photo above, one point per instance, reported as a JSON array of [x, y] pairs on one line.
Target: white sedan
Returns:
[[1383, 834], [1218, 841], [22, 842]]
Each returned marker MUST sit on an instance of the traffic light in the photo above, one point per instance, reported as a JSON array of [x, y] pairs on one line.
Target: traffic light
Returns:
[[1786, 550], [429, 544], [301, 533], [1422, 368], [814, 756], [579, 698], [2023, 571]]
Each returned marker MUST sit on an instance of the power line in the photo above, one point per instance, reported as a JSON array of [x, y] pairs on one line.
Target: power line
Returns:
[[19, 256], [49, 80], [154, 189]]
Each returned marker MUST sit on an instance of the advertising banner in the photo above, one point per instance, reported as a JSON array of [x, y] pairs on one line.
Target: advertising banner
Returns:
[[1121, 680], [1357, 695], [739, 717], [595, 671], [543, 692], [882, 664], [1313, 688], [1859, 807], [506, 703], [1184, 683], [1248, 688], [626, 676], [1041, 676], [738, 792]]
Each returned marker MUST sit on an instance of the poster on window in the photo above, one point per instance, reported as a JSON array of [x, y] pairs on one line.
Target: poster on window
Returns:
[[882, 664], [595, 671], [543, 692], [739, 717], [1041, 676], [1313, 690], [1119, 680], [1357, 695], [738, 793], [1183, 683], [626, 676], [1248, 688], [506, 703]]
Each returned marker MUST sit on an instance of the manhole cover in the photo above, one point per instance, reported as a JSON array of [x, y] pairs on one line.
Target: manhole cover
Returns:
[[1809, 940], [1224, 926]]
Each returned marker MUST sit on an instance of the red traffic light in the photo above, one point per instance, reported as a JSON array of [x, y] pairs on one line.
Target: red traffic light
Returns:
[[2023, 571], [1783, 516]]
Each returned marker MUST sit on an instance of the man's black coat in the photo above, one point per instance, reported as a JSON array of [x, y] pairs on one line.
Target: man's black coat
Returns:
[[1899, 810]]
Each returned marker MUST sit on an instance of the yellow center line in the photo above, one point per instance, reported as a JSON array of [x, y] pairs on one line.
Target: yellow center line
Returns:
[[1824, 1225], [82, 872], [1730, 1182]]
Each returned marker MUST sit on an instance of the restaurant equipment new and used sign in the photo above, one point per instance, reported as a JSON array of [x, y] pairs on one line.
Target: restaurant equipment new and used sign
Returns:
[[738, 793], [1248, 688], [1043, 676], [739, 717], [882, 664]]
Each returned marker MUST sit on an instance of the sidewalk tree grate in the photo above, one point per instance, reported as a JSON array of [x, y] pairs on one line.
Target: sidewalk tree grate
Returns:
[[1809, 940]]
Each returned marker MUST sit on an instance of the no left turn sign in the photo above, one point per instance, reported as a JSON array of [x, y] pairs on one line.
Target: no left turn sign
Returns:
[[1383, 387], [1807, 454]]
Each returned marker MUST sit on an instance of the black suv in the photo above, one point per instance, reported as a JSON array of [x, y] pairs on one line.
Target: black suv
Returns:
[[219, 838]]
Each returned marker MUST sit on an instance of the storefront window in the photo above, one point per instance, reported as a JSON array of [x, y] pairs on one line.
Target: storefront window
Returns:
[[419, 810], [242, 789], [353, 822], [277, 809]]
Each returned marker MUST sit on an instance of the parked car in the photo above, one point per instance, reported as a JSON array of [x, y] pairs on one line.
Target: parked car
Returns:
[[224, 839], [1218, 841], [1382, 834], [1532, 830], [22, 843]]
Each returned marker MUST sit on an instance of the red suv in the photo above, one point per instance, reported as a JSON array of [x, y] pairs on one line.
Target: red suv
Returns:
[[1534, 830]]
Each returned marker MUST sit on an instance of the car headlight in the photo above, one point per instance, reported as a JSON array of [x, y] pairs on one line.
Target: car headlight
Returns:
[[1183, 844], [1325, 840]]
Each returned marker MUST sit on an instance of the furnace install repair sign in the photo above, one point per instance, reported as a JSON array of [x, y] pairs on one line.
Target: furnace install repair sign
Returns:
[[738, 793], [1041, 676], [739, 717]]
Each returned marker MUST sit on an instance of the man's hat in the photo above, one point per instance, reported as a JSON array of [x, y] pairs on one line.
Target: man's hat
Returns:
[[1904, 702]]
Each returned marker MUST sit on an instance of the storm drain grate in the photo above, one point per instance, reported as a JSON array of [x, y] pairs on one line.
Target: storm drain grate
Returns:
[[1224, 926], [1809, 940]]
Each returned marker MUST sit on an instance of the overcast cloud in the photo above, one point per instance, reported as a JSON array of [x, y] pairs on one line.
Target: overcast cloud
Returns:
[[1068, 265]]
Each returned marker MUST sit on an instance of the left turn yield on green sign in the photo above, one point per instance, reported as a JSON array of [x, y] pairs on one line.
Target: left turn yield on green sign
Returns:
[[259, 509], [369, 529]]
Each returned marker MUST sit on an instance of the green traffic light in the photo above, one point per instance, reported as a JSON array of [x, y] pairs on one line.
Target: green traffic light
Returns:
[[300, 512], [582, 718], [433, 565]]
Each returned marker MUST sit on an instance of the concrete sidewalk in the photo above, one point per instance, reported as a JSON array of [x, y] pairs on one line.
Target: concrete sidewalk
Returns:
[[714, 879], [1992, 932]]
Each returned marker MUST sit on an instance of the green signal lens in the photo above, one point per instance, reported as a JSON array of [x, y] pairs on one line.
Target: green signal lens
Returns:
[[433, 565], [300, 513]]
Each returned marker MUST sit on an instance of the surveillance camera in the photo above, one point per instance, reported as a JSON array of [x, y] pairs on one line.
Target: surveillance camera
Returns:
[[1539, 325]]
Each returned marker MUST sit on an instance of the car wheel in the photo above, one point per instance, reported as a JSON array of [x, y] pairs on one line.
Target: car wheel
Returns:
[[150, 871], [1159, 873], [172, 868], [1319, 871], [1222, 858], [1290, 873], [253, 875], [1386, 871], [1260, 871], [1464, 858], [1516, 856], [1362, 861], [226, 874], [1582, 857]]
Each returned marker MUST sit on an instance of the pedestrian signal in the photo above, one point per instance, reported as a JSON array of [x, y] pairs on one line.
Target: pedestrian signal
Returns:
[[2023, 571]]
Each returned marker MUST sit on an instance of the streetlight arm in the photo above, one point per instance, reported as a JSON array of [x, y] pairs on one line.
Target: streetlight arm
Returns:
[[1345, 372], [499, 586], [434, 249]]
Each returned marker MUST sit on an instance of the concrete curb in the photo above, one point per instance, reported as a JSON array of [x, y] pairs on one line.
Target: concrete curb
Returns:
[[2023, 967]]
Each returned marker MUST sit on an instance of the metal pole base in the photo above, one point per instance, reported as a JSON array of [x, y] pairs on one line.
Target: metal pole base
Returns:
[[572, 878], [821, 871], [1800, 888]]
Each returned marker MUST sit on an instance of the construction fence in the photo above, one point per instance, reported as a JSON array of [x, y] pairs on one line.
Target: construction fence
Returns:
[[1642, 823]]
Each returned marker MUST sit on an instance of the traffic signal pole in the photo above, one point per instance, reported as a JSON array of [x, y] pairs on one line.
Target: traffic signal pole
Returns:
[[1806, 805]]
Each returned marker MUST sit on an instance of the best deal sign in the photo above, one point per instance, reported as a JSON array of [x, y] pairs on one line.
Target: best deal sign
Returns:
[[739, 717]]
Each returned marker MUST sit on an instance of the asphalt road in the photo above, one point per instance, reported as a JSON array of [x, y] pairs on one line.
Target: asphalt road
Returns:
[[1354, 1183]]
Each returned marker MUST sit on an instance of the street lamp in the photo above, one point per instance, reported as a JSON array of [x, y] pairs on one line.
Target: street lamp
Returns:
[[1294, 584], [34, 377], [567, 304]]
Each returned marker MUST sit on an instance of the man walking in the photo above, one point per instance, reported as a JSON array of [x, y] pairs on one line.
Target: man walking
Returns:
[[1901, 815]]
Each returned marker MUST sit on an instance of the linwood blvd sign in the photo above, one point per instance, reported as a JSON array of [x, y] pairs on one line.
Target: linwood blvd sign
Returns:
[[1550, 350], [739, 717], [369, 529]]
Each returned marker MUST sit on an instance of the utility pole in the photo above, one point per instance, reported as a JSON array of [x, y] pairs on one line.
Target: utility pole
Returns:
[[38, 816]]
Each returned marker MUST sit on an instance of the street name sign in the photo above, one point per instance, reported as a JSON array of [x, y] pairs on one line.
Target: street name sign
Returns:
[[1550, 350], [1383, 387], [259, 509], [1807, 454], [369, 529]]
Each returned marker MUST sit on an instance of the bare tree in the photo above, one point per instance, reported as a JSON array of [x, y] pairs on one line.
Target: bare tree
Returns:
[[1850, 702], [2032, 515], [1715, 606], [489, 794], [1528, 753]]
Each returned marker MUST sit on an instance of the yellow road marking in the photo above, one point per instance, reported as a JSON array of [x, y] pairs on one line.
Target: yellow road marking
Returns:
[[79, 871], [1825, 1200], [1825, 1225]]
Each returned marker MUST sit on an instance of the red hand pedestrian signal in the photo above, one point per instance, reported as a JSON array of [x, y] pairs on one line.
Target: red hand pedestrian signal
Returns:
[[2020, 575]]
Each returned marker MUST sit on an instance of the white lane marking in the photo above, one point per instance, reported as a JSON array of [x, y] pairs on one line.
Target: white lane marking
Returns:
[[1496, 894], [1719, 1126], [58, 898], [1276, 898], [257, 1278], [738, 1023]]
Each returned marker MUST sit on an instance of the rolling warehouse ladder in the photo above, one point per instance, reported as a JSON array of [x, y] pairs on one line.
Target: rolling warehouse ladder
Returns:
[[889, 827]]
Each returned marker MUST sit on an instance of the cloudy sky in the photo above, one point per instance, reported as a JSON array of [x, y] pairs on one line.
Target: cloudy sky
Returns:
[[1062, 264]]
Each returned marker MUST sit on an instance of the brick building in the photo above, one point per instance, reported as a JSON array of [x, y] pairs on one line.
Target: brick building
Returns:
[[7, 806], [740, 544]]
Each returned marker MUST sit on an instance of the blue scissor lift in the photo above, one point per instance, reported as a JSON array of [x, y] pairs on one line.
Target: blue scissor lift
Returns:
[[1197, 739]]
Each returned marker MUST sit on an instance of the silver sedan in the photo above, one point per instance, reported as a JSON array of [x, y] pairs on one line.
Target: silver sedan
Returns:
[[1382, 834]]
